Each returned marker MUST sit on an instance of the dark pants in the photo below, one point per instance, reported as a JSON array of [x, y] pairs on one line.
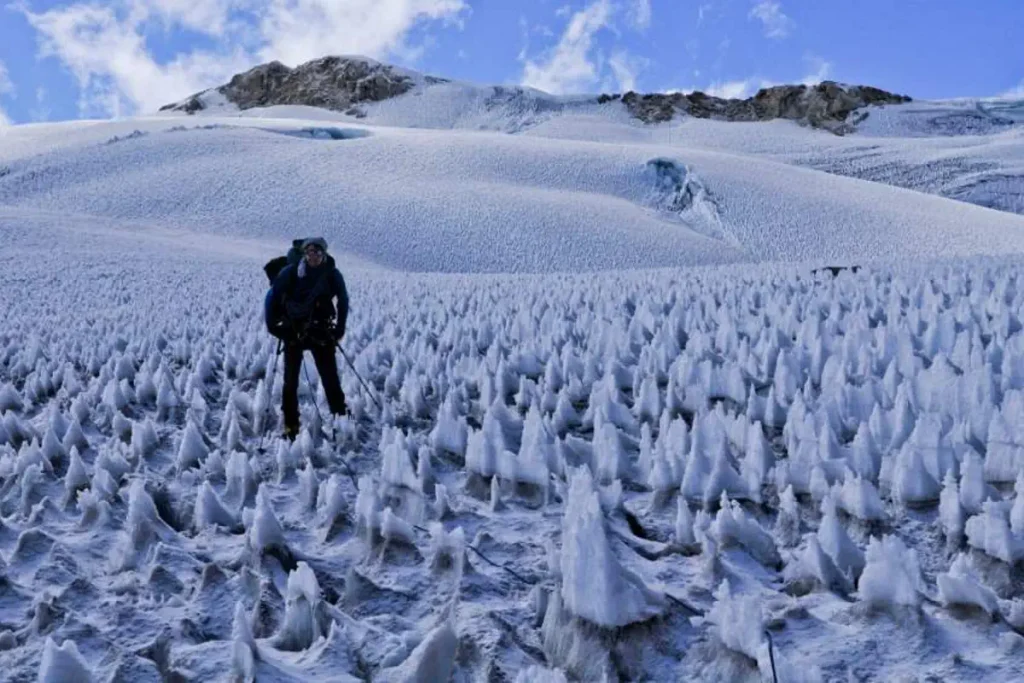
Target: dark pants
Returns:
[[326, 366]]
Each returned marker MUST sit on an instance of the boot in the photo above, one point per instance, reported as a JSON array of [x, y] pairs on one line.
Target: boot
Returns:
[[341, 408], [291, 432]]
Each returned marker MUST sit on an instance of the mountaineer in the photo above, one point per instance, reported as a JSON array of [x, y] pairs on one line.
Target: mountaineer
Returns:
[[299, 310]]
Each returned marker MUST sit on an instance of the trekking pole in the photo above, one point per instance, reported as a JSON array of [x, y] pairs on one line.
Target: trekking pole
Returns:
[[349, 361], [316, 406], [270, 392]]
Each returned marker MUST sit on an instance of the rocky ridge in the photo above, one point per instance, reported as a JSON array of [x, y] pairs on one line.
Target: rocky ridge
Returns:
[[827, 105], [343, 83], [335, 83]]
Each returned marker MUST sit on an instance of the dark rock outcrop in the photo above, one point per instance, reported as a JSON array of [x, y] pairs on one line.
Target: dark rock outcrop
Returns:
[[343, 83], [827, 105], [336, 83]]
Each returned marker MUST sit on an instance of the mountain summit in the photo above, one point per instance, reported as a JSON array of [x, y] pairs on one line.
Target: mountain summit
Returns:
[[343, 84], [335, 83]]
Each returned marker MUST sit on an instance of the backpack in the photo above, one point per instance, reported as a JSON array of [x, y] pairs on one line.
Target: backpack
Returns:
[[275, 265], [274, 308]]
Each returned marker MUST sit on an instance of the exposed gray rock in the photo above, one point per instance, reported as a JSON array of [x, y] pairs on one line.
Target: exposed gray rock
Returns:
[[827, 105], [336, 83], [343, 83]]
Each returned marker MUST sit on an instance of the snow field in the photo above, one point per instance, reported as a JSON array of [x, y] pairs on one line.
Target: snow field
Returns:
[[835, 460], [468, 201], [969, 150]]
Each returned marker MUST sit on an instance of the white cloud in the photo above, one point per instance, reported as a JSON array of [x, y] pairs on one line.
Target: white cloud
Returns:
[[625, 67], [1015, 93], [105, 47], [577, 64], [776, 24], [209, 17], [296, 31], [738, 89], [732, 90], [702, 12], [6, 88], [820, 70], [524, 30], [107, 54], [640, 14], [569, 67], [40, 112]]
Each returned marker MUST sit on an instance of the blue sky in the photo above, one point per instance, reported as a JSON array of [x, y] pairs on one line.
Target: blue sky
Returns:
[[103, 58]]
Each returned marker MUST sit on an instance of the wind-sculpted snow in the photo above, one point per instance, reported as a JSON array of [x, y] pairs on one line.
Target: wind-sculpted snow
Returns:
[[412, 201], [988, 175], [457, 201], [650, 475], [964, 117], [971, 151]]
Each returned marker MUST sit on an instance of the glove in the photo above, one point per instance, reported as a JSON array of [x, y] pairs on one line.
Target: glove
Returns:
[[282, 331], [339, 333]]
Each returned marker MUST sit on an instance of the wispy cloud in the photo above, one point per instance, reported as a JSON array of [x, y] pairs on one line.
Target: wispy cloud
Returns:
[[625, 68], [524, 31], [731, 89], [106, 48], [117, 75], [570, 66], [1017, 92], [207, 17], [819, 70], [299, 30], [738, 89], [640, 14], [776, 24], [6, 88], [40, 112], [577, 63]]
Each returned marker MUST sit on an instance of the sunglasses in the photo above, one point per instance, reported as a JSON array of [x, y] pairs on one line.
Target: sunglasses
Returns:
[[314, 250]]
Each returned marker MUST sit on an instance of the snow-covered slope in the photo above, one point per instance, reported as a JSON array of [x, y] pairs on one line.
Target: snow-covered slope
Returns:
[[972, 151], [726, 468], [968, 149], [459, 201], [802, 458]]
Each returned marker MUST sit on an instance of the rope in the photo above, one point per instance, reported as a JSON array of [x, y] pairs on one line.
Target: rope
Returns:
[[487, 560], [501, 566], [684, 604], [513, 573], [351, 474], [417, 527], [479, 553]]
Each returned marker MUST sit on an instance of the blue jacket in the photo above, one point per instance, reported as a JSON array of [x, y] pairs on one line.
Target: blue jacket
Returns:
[[300, 302]]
